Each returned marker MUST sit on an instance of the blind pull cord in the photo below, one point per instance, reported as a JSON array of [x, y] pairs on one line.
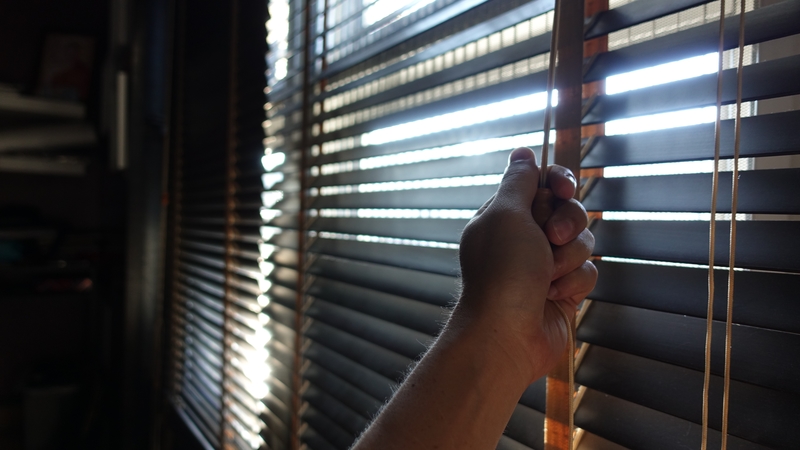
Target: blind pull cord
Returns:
[[712, 231], [732, 250]]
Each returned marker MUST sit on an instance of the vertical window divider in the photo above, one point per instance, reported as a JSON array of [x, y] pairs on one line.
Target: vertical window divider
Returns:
[[230, 209], [303, 226], [569, 82]]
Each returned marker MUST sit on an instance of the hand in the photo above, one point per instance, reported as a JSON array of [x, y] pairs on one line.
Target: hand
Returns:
[[516, 274]]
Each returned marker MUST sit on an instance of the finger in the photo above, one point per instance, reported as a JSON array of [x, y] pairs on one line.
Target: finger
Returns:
[[575, 285], [571, 255], [519, 183], [567, 222], [562, 182]]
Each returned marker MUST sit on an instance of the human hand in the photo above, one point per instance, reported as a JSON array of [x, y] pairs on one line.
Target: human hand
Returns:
[[517, 274]]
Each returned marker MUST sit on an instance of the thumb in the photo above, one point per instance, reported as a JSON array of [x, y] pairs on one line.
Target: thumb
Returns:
[[520, 181]]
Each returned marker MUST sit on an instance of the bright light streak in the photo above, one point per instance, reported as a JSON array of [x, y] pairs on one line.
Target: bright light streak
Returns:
[[376, 213], [459, 119], [271, 179], [263, 301], [266, 250], [472, 148], [268, 215], [259, 338], [662, 74], [668, 216], [266, 267], [273, 160], [661, 121], [268, 233], [270, 198], [667, 264], [674, 168], [281, 68], [382, 9], [386, 240], [433, 183]]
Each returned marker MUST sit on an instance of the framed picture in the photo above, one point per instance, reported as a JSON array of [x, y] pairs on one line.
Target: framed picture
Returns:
[[66, 68]]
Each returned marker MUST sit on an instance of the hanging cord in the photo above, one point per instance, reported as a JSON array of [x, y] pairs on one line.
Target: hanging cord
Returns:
[[712, 232], [551, 81], [734, 207]]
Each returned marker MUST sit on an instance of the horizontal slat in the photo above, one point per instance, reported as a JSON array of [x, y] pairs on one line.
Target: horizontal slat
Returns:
[[365, 379], [765, 80], [528, 84], [337, 411], [210, 397], [205, 246], [760, 356], [203, 434], [314, 440], [763, 135], [211, 315], [280, 314], [760, 191], [769, 245], [486, 164], [398, 339], [535, 395], [468, 197], [439, 230], [210, 416], [436, 260], [210, 301], [523, 123], [360, 402], [635, 426], [634, 13], [190, 278], [762, 299], [208, 378], [756, 414], [497, 23], [282, 333], [527, 427], [762, 24], [423, 317], [327, 428], [591, 441], [431, 288], [526, 49], [506, 443], [406, 32], [389, 364]]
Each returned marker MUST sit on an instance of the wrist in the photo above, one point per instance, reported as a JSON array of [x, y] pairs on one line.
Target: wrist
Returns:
[[492, 343]]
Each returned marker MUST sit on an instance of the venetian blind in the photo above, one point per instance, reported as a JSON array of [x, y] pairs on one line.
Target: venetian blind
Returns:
[[389, 123], [222, 356]]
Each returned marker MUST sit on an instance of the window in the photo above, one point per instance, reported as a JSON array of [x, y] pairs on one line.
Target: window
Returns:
[[388, 124]]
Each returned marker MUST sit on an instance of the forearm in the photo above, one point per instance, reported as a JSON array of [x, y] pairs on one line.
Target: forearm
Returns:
[[460, 396]]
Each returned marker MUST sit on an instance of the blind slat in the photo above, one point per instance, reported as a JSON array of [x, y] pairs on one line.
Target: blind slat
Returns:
[[759, 355], [767, 245]]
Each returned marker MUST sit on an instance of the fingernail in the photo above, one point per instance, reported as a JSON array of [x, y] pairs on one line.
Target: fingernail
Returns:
[[562, 228], [551, 294], [520, 154], [572, 178]]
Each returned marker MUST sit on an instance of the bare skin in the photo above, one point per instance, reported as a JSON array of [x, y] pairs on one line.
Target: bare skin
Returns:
[[505, 331]]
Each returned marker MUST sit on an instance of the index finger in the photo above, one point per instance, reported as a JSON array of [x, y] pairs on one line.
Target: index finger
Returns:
[[562, 182]]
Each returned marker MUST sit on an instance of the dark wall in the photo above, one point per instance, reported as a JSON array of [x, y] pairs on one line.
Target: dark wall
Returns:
[[23, 24]]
